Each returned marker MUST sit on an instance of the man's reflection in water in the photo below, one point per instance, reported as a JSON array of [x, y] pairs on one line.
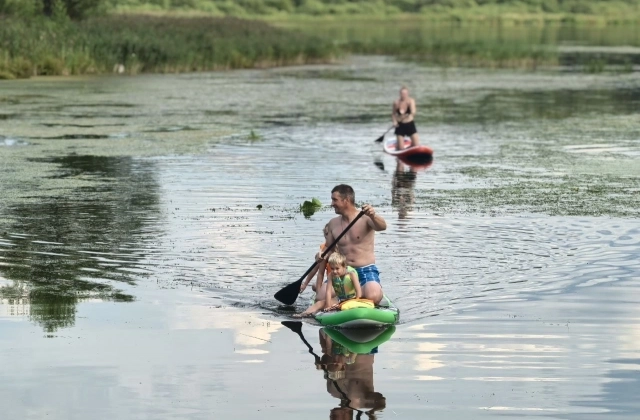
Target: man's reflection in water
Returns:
[[350, 379], [402, 189]]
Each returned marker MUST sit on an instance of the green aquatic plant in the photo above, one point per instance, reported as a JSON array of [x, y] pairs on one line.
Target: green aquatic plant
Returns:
[[308, 208], [253, 136]]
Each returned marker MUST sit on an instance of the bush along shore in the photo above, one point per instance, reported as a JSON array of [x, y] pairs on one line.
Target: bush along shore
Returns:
[[485, 53], [147, 44]]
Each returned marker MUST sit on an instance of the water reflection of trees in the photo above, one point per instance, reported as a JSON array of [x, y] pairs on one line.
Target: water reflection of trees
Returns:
[[46, 265]]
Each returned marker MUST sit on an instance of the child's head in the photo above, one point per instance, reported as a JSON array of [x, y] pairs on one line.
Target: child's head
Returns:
[[325, 230], [338, 263]]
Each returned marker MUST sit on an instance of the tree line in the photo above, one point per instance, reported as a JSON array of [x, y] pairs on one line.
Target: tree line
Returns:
[[74, 9], [79, 9]]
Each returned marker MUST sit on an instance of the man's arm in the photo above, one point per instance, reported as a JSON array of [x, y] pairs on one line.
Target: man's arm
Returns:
[[328, 240], [376, 221]]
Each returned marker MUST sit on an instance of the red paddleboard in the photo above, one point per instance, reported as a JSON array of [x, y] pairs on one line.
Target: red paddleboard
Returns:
[[419, 156]]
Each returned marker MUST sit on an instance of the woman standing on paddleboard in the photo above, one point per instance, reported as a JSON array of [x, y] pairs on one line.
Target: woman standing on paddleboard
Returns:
[[404, 109]]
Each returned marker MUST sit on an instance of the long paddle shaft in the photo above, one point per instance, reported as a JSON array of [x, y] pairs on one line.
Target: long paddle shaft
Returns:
[[296, 327], [289, 293]]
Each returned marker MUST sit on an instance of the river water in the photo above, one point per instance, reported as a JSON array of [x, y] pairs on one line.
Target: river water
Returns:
[[146, 223]]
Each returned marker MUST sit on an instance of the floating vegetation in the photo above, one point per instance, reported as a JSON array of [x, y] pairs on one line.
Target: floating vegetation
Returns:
[[253, 136], [568, 197], [344, 75], [308, 208]]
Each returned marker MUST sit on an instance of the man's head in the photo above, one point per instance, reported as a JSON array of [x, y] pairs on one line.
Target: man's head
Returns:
[[341, 413], [342, 198]]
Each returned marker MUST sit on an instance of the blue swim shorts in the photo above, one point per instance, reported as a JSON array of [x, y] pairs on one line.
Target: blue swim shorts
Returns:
[[368, 273]]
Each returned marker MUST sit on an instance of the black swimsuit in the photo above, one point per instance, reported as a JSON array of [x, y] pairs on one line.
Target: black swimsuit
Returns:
[[405, 129]]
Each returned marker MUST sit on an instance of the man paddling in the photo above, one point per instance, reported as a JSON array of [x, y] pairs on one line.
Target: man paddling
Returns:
[[358, 243]]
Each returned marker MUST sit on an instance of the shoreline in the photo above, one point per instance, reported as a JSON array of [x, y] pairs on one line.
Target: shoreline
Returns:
[[471, 15], [201, 44]]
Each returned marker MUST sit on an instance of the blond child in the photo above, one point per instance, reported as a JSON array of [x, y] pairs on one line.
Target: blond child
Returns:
[[344, 282]]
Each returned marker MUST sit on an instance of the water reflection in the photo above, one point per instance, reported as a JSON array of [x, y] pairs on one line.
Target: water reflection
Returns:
[[402, 189], [347, 362], [77, 244]]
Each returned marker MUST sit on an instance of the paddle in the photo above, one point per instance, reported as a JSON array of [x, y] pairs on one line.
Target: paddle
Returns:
[[289, 293], [296, 327], [379, 164], [379, 139]]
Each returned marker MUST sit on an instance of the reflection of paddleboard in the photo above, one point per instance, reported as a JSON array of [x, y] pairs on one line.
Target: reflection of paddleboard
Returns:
[[383, 315], [361, 341], [420, 156]]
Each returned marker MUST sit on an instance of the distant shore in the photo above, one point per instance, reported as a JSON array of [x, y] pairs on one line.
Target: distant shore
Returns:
[[148, 44], [172, 42]]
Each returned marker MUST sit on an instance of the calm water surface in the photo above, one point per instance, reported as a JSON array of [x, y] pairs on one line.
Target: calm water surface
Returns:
[[137, 271]]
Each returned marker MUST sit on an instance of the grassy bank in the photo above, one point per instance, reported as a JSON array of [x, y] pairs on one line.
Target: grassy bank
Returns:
[[587, 11], [447, 52], [150, 43], [476, 44], [137, 44]]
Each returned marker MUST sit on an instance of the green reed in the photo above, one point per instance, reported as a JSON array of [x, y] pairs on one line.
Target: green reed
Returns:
[[488, 53], [136, 44], [485, 45]]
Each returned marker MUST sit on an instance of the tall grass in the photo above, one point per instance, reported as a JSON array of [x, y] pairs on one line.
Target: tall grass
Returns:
[[487, 53], [479, 44], [150, 44], [137, 44], [467, 10]]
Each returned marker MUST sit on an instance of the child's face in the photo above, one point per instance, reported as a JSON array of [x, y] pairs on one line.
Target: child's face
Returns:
[[338, 270]]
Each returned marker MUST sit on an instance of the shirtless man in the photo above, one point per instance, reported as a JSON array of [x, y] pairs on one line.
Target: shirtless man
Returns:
[[358, 243]]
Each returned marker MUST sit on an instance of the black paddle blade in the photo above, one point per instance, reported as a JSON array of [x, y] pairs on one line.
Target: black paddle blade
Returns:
[[289, 294], [379, 139], [379, 165], [295, 326]]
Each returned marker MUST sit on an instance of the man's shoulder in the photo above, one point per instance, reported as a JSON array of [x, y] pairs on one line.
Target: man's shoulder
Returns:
[[333, 222]]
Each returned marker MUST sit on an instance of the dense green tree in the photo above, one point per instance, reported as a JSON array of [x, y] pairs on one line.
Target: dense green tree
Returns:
[[75, 9]]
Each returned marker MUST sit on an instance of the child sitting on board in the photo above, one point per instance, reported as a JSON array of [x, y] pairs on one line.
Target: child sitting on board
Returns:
[[346, 285], [320, 269]]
